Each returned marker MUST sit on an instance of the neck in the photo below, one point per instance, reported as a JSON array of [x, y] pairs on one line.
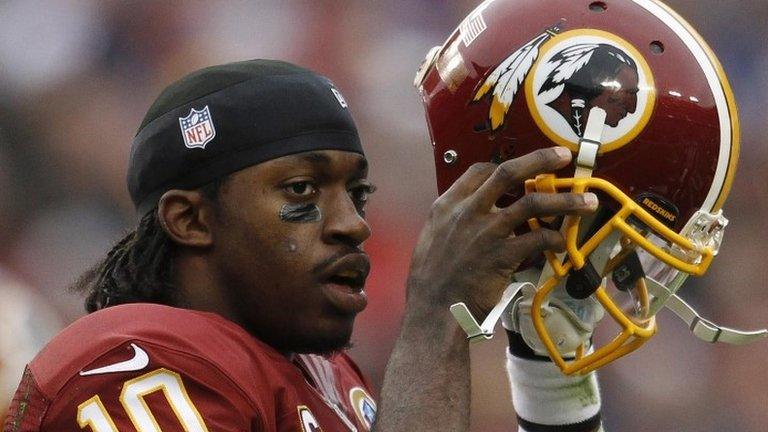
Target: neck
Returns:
[[199, 289]]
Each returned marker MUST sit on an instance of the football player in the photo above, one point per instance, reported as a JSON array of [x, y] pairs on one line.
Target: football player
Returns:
[[229, 307]]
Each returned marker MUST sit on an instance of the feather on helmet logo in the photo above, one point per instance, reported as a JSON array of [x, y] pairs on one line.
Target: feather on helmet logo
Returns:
[[503, 82], [564, 75]]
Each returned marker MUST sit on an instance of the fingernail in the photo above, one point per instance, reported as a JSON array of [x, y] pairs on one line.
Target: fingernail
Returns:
[[590, 200], [563, 153]]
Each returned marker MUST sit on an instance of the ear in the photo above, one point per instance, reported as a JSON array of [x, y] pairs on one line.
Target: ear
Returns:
[[186, 218]]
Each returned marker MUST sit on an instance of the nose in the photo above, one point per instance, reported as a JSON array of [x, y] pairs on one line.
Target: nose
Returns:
[[343, 224]]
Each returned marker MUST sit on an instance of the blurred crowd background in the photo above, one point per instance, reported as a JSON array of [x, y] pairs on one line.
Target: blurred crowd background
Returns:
[[76, 77]]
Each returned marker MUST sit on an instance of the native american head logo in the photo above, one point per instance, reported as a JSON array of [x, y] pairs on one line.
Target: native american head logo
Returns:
[[564, 75], [587, 75]]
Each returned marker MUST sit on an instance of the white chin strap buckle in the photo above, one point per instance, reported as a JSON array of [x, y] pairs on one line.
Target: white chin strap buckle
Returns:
[[702, 328], [479, 332], [589, 144]]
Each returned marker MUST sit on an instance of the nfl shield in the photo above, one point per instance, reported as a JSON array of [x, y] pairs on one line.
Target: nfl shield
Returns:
[[197, 128]]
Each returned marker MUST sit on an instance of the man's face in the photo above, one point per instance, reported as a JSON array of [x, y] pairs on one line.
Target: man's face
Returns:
[[620, 96], [287, 248]]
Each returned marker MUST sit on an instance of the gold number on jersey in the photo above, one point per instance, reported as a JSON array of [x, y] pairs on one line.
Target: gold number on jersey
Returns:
[[92, 412]]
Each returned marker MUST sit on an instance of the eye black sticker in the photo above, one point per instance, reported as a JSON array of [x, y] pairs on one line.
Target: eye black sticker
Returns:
[[300, 213]]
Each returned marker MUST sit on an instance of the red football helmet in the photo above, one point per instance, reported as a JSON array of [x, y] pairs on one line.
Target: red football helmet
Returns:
[[645, 106]]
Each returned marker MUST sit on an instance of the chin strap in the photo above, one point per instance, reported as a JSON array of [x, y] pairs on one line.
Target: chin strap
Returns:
[[702, 328], [586, 159], [479, 332], [589, 144]]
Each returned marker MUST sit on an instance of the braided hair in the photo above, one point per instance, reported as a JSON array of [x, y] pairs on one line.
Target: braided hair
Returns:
[[139, 267]]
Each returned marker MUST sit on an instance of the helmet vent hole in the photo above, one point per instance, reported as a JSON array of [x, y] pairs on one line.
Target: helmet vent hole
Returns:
[[598, 6], [657, 47]]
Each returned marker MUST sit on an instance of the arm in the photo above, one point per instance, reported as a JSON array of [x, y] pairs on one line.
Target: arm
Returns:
[[467, 252], [427, 382], [545, 400]]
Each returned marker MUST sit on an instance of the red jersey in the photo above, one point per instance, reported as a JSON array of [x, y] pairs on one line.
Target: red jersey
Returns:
[[145, 367]]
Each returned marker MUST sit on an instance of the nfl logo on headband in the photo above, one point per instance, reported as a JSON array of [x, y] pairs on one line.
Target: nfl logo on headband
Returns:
[[197, 128]]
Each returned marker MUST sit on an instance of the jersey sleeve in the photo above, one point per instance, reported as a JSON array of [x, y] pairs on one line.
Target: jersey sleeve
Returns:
[[144, 386]]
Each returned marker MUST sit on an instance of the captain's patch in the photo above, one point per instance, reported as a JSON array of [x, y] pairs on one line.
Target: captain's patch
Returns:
[[308, 421], [363, 405]]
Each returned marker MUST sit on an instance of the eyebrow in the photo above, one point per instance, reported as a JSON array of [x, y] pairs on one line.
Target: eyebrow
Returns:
[[315, 158], [318, 158]]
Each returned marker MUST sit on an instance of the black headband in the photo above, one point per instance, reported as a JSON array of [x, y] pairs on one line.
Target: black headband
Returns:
[[225, 118]]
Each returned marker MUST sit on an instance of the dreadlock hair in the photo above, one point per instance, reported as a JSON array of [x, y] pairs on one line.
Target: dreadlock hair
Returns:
[[139, 267]]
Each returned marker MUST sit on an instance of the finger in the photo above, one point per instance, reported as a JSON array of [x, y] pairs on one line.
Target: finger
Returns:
[[514, 171], [468, 183], [534, 243], [539, 205]]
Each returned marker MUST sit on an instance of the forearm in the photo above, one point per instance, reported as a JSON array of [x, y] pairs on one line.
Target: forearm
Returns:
[[427, 381], [546, 400]]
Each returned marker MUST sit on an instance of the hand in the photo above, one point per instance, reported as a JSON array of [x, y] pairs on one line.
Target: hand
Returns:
[[468, 252]]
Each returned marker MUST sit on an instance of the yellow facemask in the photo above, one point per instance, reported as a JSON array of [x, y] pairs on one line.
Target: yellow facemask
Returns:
[[630, 230], [637, 323]]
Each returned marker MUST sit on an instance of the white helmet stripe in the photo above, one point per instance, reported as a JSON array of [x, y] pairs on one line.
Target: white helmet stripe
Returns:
[[713, 78]]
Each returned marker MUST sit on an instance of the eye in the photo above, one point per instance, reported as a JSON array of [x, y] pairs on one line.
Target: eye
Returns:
[[301, 189], [361, 193]]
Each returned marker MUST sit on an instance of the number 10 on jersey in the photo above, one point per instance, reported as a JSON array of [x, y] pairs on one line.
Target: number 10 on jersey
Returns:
[[92, 412]]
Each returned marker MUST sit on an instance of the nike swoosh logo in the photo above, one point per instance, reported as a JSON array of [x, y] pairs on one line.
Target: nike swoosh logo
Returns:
[[139, 361]]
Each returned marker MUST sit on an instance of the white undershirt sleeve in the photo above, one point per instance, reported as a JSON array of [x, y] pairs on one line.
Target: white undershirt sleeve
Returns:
[[542, 395]]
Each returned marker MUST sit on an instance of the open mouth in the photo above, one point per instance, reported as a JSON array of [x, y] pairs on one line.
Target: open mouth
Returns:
[[349, 271], [353, 279], [343, 282]]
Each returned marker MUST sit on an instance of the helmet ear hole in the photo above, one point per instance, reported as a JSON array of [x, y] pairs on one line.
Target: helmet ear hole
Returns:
[[657, 47], [598, 6]]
